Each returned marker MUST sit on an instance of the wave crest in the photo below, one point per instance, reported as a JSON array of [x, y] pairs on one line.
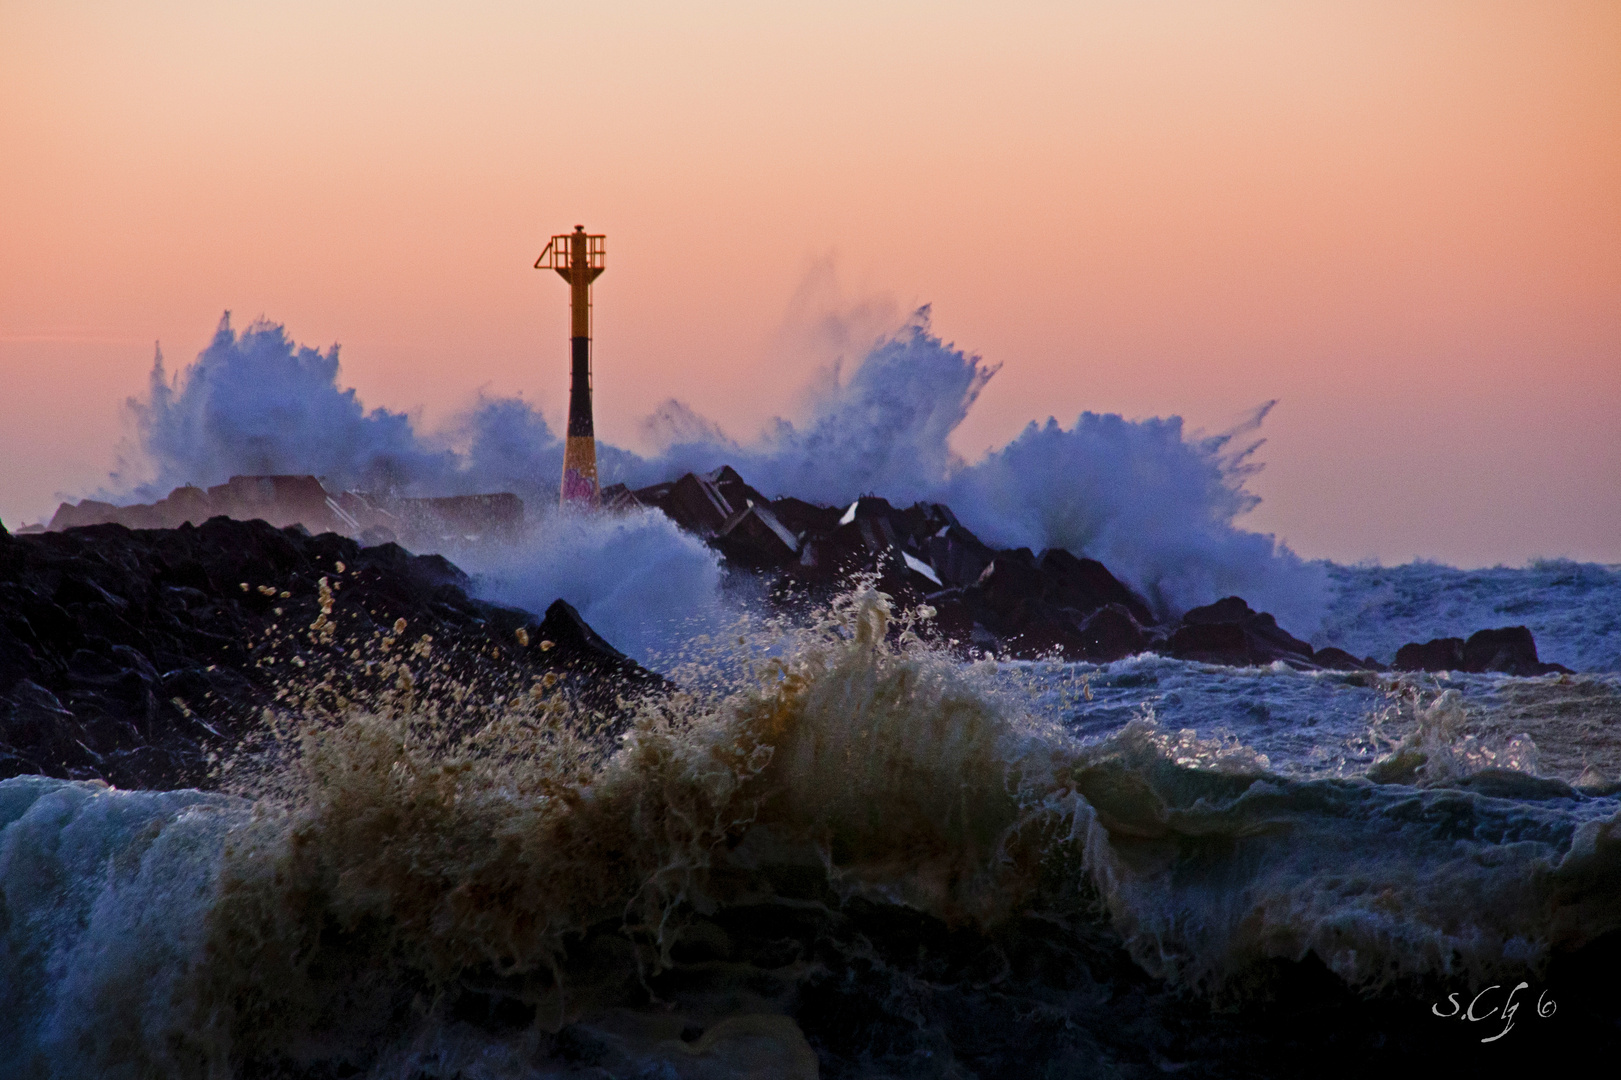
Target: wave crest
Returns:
[[395, 868]]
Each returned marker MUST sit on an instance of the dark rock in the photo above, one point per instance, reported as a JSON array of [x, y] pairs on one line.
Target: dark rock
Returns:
[[1112, 633], [574, 639], [1007, 600], [802, 517], [1044, 630], [1440, 654], [757, 539], [1336, 659], [619, 497], [733, 489], [595, 672], [150, 766], [693, 502], [952, 620], [1003, 600], [1086, 585], [1231, 609], [89, 617], [1265, 627], [1229, 632], [1212, 643], [302, 502], [825, 559], [880, 526], [1509, 649], [35, 724], [957, 555], [1011, 579]]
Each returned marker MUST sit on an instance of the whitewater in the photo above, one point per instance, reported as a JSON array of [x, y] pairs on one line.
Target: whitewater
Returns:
[[1158, 505], [840, 850]]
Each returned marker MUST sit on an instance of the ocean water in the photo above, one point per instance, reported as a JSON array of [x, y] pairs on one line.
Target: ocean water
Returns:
[[861, 858], [836, 852], [1573, 609]]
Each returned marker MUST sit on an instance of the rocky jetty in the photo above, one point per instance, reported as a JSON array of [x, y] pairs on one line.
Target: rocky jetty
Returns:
[[1010, 602], [134, 655], [303, 500]]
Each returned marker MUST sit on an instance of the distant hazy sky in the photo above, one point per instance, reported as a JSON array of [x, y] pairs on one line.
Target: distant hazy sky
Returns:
[[1403, 219]]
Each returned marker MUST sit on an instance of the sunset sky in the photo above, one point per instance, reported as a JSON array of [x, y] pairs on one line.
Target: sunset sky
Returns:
[[1402, 219]]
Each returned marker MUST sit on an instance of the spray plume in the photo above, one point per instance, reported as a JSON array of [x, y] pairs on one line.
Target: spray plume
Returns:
[[1143, 496]]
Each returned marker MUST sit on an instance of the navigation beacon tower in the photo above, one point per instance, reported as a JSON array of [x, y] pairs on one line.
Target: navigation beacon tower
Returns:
[[579, 258]]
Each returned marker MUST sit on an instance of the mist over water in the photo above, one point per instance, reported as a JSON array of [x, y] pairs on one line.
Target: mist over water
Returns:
[[1151, 501]]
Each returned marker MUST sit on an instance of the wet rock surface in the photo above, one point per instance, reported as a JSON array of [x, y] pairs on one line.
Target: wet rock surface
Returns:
[[136, 656], [1507, 649], [1010, 602], [303, 500]]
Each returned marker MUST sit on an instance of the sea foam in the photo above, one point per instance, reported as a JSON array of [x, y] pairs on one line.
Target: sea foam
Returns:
[[401, 884], [1157, 504]]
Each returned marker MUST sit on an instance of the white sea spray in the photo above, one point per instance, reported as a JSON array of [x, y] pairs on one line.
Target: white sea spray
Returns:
[[1157, 504], [395, 860]]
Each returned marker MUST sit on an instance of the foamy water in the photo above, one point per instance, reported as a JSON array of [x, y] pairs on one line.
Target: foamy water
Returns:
[[1149, 499], [834, 851], [399, 900], [1574, 609]]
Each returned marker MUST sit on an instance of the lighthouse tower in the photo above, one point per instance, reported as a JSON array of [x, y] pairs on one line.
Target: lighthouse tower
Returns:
[[579, 258]]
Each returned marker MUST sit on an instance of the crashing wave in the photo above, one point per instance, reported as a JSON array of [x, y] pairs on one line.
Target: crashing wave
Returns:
[[394, 891], [1143, 496]]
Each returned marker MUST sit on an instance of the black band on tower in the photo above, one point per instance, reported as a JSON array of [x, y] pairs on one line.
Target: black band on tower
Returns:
[[579, 395]]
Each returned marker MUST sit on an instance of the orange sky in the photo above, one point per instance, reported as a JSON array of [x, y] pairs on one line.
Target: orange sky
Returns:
[[1402, 219]]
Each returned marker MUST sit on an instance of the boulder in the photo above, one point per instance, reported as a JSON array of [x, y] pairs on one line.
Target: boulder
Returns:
[[1265, 627], [619, 497], [1008, 599], [1212, 643], [755, 538], [733, 488], [1112, 632], [957, 555], [1337, 659], [1229, 632], [952, 621], [1509, 649], [1439, 654], [1087, 585], [1010, 580], [132, 655], [693, 502], [801, 517], [578, 646], [1231, 609]]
